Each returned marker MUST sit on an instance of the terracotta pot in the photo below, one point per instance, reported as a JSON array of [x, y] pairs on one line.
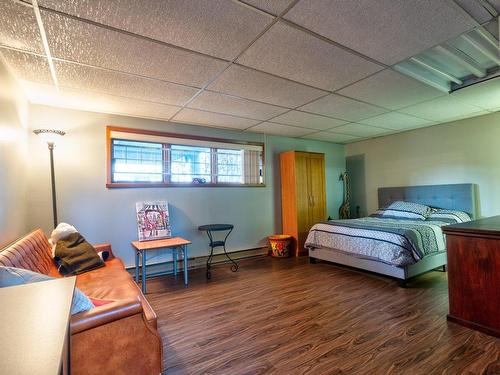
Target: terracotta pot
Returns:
[[280, 245]]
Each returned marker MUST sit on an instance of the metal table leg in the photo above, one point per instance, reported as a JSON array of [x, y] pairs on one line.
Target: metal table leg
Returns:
[[174, 260], [143, 256], [137, 266], [185, 261]]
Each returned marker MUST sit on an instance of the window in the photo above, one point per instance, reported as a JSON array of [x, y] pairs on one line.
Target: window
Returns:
[[138, 158]]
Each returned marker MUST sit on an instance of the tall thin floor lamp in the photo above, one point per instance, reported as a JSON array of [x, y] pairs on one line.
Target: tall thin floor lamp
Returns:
[[50, 136]]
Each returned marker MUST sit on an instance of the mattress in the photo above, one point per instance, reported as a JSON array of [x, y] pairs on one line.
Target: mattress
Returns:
[[393, 241]]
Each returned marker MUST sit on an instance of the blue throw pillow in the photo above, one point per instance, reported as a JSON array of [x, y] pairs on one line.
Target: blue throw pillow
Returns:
[[11, 276]]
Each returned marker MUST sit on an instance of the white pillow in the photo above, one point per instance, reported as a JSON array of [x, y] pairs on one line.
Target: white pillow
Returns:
[[62, 231]]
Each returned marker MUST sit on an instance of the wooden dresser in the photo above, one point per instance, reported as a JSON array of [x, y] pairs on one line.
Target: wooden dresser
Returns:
[[474, 274], [303, 194]]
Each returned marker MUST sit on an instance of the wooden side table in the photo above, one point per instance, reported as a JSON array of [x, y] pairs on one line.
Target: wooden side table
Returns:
[[174, 243]]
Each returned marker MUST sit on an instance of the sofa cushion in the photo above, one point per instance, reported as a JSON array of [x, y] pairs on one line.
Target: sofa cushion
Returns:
[[11, 276], [113, 282]]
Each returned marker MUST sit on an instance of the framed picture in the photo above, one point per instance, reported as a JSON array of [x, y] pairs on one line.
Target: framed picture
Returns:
[[153, 221]]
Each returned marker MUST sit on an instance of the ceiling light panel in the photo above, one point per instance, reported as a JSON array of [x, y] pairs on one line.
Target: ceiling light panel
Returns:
[[332, 137], [18, 27], [278, 129], [79, 41], [443, 109], [385, 30], [483, 95], [230, 105], [27, 67], [248, 83], [342, 108], [196, 117], [302, 57], [114, 83], [391, 90], [396, 121], [275, 7], [218, 28], [361, 130], [308, 120]]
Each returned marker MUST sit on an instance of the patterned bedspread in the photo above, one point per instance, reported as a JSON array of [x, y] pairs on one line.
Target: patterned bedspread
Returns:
[[392, 241]]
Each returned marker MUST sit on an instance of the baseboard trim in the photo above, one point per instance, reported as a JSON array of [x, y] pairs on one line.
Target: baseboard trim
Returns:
[[166, 268]]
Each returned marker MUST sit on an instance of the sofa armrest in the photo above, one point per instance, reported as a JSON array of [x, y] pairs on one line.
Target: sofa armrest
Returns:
[[104, 314], [104, 247]]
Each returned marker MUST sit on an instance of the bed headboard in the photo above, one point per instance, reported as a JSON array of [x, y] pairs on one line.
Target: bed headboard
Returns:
[[461, 197]]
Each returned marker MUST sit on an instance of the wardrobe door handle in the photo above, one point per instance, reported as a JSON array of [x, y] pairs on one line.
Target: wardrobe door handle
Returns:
[[312, 200]]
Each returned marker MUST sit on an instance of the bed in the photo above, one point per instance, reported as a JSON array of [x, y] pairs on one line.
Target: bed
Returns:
[[334, 241]]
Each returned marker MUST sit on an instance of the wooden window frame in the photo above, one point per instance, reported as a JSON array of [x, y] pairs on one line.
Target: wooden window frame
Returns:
[[166, 182]]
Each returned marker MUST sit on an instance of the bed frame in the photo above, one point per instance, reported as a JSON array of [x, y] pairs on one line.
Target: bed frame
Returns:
[[461, 197]]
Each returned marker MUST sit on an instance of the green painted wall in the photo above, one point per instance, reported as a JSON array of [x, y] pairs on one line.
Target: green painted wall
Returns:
[[466, 151], [108, 215]]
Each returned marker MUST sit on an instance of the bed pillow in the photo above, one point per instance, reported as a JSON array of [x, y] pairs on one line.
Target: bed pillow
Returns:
[[405, 210], [448, 216]]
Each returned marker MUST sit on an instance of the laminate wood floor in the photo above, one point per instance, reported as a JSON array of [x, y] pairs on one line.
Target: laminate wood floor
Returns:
[[286, 316]]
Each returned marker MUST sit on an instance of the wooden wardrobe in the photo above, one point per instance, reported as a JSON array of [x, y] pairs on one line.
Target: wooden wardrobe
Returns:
[[303, 194]]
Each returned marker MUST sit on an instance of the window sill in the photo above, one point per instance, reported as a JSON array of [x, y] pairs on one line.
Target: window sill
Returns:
[[118, 185]]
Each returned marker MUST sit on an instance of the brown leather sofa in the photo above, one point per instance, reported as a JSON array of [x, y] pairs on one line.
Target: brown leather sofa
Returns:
[[120, 337]]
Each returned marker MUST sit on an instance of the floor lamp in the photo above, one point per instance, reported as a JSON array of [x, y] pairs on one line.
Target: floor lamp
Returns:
[[50, 136]]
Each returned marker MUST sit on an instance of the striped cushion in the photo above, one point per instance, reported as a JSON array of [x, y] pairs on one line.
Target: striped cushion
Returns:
[[405, 210], [448, 216]]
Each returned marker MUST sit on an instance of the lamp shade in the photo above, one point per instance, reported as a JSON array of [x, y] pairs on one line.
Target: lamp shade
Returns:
[[49, 135]]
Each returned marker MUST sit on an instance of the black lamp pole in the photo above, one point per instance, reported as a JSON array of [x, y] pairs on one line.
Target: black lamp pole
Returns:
[[49, 133], [53, 182]]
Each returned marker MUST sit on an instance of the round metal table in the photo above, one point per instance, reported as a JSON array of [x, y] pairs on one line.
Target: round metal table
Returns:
[[210, 228]]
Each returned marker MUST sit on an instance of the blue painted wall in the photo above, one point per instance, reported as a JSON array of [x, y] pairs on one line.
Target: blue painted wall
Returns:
[[108, 215]]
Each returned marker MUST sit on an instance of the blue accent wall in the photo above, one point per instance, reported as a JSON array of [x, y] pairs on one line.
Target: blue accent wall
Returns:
[[108, 215]]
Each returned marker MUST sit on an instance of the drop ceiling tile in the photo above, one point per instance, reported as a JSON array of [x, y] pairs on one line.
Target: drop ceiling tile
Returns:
[[230, 105], [26, 66], [82, 42], [218, 28], [118, 105], [248, 83], [115, 83], [484, 95], [271, 6], [386, 30], [361, 130], [278, 129], [342, 108], [18, 27], [196, 117], [291, 53], [391, 90], [96, 102], [307, 120], [475, 9], [443, 109], [332, 137], [41, 93], [396, 121]]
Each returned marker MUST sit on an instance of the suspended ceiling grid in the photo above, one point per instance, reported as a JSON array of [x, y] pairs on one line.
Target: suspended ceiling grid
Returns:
[[327, 70]]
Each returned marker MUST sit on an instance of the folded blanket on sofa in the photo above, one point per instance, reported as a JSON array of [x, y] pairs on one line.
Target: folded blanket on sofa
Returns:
[[74, 255]]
